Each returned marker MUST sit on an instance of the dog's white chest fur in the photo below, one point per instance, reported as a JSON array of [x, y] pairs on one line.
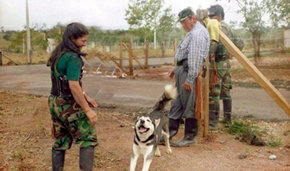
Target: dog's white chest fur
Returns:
[[142, 149]]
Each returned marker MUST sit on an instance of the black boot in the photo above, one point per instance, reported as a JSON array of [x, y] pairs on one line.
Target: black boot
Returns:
[[213, 116], [86, 158], [227, 110], [57, 160], [173, 130], [190, 132]]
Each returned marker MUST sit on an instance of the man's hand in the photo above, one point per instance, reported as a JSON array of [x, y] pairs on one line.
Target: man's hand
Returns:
[[171, 73], [91, 101], [92, 116], [187, 86]]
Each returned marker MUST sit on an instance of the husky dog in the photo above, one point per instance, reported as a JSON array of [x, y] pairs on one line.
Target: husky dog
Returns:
[[149, 129]]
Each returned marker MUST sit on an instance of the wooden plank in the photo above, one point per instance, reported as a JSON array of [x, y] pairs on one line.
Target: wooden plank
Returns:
[[112, 58], [0, 57], [175, 48], [206, 99], [258, 76], [130, 59], [146, 53], [121, 56], [9, 59], [131, 55], [134, 57]]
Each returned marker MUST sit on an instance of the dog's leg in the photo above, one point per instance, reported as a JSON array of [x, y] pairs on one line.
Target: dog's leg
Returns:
[[134, 158], [166, 138], [157, 152], [148, 159]]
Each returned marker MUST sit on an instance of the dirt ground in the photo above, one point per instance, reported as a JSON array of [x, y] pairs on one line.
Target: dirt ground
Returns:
[[25, 143]]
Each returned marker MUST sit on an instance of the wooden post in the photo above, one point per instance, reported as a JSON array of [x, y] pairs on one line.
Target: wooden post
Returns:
[[0, 57], [146, 53], [206, 99], [129, 48], [175, 48], [101, 55], [130, 61], [258, 76], [283, 39], [121, 55]]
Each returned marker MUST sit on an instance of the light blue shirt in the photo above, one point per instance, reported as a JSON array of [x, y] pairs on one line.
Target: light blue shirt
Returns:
[[194, 47]]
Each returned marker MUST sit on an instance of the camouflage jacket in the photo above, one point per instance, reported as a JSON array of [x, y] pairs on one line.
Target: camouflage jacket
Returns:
[[221, 53]]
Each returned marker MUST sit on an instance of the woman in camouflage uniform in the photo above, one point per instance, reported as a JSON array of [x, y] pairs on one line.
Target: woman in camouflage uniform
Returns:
[[72, 117]]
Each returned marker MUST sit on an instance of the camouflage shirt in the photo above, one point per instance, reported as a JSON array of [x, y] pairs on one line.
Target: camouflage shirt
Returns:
[[221, 53]]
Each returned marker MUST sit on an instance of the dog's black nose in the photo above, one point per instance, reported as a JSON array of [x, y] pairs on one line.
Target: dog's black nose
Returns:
[[142, 121]]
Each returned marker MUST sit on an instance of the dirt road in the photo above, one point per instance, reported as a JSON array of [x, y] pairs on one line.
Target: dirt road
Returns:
[[25, 143], [34, 79]]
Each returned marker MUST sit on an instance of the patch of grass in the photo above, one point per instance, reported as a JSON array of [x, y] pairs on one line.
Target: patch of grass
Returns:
[[273, 142], [30, 97], [240, 127], [251, 134], [18, 155]]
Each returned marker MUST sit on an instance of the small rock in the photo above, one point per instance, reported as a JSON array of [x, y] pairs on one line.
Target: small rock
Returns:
[[243, 156], [121, 125], [286, 133], [272, 157]]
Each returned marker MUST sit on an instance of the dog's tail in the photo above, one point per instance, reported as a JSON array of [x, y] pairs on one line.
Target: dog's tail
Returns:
[[170, 93]]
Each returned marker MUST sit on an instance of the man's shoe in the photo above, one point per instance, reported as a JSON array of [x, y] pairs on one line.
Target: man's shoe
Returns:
[[190, 132], [183, 143]]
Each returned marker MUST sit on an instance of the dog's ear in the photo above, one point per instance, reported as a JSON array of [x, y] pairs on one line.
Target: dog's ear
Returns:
[[138, 117], [157, 122]]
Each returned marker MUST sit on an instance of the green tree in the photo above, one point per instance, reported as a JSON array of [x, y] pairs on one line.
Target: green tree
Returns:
[[56, 32], [279, 11], [148, 16], [253, 12]]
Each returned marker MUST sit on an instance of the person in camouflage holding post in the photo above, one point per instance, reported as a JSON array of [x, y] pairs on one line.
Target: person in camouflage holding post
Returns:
[[69, 105], [220, 68]]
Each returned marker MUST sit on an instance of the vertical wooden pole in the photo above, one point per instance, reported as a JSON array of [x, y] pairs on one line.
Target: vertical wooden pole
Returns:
[[121, 55], [130, 60], [175, 48], [206, 99], [0, 57], [283, 39], [146, 54]]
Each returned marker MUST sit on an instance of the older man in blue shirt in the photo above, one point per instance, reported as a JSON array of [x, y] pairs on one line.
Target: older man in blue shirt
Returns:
[[190, 55]]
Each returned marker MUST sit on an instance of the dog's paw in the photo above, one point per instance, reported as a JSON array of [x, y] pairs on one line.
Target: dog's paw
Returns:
[[169, 151]]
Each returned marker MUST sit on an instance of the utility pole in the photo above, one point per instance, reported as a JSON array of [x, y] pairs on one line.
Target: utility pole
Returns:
[[28, 34], [155, 42]]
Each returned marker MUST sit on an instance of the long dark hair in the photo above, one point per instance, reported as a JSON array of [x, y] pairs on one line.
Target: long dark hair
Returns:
[[72, 30]]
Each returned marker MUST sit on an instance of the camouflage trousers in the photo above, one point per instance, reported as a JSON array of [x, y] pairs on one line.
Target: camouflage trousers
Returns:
[[70, 123], [221, 90]]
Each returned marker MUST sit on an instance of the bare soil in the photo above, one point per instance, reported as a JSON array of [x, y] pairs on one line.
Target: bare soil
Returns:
[[25, 143]]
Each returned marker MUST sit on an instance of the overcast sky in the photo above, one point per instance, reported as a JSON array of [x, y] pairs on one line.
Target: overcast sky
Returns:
[[108, 14]]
